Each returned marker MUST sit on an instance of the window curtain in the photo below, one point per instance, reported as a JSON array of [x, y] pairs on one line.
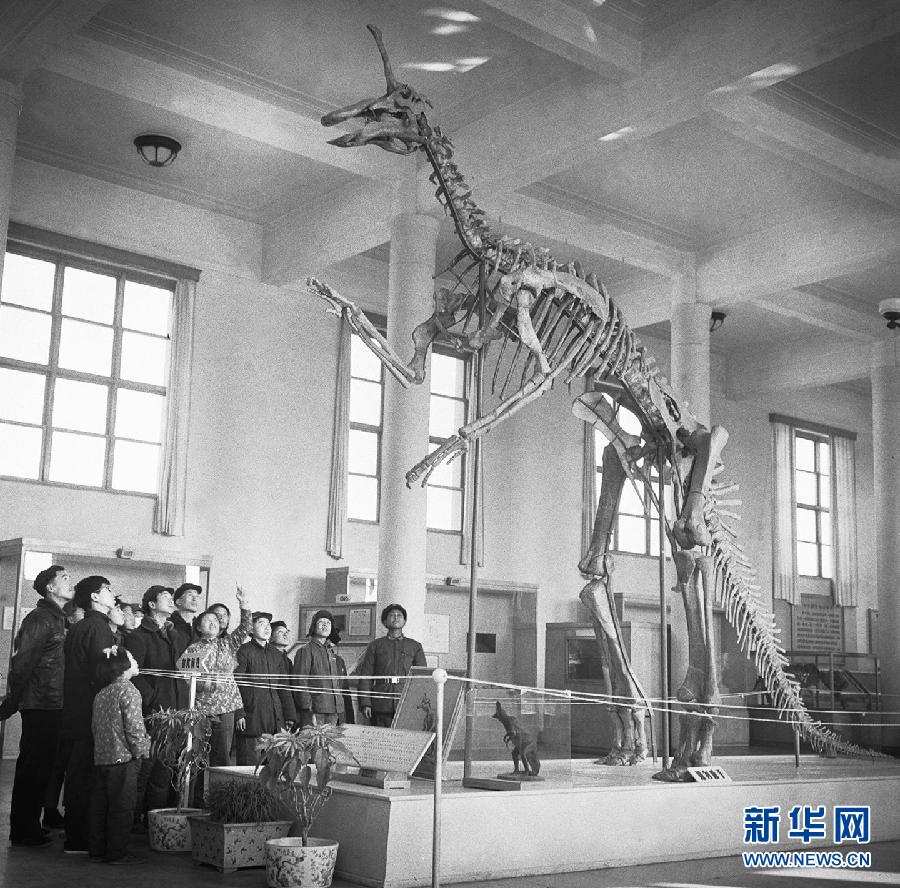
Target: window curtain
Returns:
[[340, 442], [171, 493], [844, 522], [784, 567], [469, 484], [588, 478]]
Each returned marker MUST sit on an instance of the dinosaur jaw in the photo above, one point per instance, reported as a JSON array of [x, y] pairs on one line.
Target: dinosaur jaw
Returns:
[[388, 143]]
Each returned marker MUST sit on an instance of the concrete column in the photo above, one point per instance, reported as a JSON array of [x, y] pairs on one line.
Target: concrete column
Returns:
[[689, 378], [402, 524], [10, 105], [885, 375]]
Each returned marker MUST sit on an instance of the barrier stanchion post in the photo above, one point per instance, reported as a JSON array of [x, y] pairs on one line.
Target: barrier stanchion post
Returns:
[[440, 679], [192, 700]]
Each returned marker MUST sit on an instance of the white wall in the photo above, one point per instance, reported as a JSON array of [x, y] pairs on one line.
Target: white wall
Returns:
[[262, 399]]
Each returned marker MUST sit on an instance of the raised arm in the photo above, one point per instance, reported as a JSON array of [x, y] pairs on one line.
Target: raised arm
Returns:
[[242, 632]]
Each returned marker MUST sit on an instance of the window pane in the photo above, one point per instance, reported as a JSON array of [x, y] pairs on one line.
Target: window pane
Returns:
[[447, 375], [806, 525], [20, 451], [144, 358], [146, 308], [629, 421], [28, 281], [365, 402], [362, 455], [824, 458], [825, 527], [139, 415], [804, 454], [77, 459], [827, 570], [80, 406], [446, 475], [654, 540], [632, 534], [808, 559], [89, 295], [631, 503], [135, 466], [24, 335], [446, 417], [363, 362], [825, 491], [805, 487], [444, 508], [86, 347], [21, 396], [362, 498]]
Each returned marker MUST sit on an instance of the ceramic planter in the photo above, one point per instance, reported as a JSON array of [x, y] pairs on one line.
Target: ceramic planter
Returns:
[[291, 865], [231, 846], [169, 830]]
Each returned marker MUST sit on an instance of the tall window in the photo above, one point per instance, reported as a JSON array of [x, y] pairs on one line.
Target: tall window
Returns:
[[364, 452], [84, 363], [447, 415], [812, 495], [636, 529]]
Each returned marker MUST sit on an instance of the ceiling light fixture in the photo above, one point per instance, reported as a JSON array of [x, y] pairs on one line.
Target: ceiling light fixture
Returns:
[[157, 150], [716, 320]]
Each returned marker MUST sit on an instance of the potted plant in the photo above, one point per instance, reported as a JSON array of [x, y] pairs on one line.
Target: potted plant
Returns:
[[179, 738], [241, 815], [297, 767]]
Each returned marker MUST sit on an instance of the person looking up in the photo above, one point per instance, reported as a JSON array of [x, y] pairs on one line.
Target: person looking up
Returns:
[[281, 640], [35, 690], [224, 616], [318, 698], [391, 655], [268, 703], [188, 601], [216, 657], [84, 647]]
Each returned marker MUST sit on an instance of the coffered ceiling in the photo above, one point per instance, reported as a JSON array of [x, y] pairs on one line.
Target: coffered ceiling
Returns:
[[749, 152]]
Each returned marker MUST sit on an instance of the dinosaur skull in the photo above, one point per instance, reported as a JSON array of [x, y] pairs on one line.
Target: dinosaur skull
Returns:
[[394, 121]]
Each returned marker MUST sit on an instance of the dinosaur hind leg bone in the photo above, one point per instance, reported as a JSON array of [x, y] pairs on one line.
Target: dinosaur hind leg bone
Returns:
[[690, 529]]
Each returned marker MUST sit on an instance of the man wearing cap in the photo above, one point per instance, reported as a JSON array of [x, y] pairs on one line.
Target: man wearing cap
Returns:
[[35, 689], [391, 655], [265, 690], [318, 696], [188, 601], [281, 640]]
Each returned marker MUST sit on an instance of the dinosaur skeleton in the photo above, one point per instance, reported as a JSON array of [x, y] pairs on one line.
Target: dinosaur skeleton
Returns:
[[560, 324]]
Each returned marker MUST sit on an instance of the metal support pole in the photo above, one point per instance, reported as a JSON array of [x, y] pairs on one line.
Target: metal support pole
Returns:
[[440, 679], [663, 617], [832, 682], [796, 748], [192, 699], [474, 527]]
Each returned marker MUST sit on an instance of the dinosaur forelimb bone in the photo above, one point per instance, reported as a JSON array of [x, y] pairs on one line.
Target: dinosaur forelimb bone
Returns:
[[690, 529]]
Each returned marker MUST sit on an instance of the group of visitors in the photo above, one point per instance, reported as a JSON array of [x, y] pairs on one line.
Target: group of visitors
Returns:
[[87, 670]]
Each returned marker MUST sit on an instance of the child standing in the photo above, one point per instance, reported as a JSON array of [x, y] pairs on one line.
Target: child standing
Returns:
[[120, 741]]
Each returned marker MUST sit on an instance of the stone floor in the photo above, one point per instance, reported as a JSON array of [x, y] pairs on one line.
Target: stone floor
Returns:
[[24, 868]]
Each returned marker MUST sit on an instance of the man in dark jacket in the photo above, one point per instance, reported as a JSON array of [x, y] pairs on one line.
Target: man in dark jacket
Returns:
[[188, 599], [153, 646], [393, 654], [268, 704], [318, 697], [84, 648], [35, 688]]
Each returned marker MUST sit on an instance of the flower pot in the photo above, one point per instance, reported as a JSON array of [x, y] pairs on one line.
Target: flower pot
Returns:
[[231, 846], [169, 830], [291, 865]]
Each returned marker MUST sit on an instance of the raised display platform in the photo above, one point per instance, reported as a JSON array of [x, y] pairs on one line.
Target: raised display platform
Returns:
[[592, 817]]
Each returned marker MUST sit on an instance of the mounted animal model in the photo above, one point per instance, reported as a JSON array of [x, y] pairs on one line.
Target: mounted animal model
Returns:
[[556, 322], [522, 745]]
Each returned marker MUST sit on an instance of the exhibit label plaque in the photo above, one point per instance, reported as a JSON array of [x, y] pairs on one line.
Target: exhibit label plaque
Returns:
[[817, 625], [384, 749]]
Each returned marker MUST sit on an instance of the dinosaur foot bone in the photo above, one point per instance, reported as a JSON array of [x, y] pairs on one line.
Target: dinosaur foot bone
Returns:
[[447, 452]]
